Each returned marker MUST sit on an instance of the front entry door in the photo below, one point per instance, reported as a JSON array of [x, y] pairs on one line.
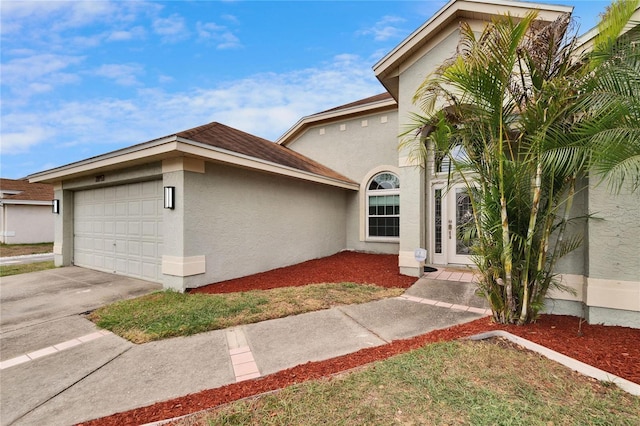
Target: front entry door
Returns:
[[451, 216]]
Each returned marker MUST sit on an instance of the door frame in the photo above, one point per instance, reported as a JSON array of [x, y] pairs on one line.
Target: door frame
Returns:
[[446, 253]]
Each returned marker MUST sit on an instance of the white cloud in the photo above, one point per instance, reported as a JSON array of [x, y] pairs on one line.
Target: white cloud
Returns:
[[231, 18], [24, 133], [218, 34], [122, 74], [28, 75], [171, 29], [126, 35], [50, 23], [385, 29], [263, 104]]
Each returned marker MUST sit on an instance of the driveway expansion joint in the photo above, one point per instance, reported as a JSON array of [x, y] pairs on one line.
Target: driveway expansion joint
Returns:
[[362, 325], [52, 397]]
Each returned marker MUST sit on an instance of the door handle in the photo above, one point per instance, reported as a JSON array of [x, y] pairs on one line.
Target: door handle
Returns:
[[450, 228]]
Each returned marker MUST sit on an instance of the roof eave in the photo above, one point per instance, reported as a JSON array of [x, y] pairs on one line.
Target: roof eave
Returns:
[[328, 116], [170, 147], [26, 202]]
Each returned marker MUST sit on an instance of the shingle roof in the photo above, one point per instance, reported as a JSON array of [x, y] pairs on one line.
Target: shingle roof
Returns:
[[225, 137], [28, 191]]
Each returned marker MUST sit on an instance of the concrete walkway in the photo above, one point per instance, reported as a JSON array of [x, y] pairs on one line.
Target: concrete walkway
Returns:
[[79, 373], [27, 258]]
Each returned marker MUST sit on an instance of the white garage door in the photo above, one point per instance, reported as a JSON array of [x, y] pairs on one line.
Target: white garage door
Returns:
[[118, 229]]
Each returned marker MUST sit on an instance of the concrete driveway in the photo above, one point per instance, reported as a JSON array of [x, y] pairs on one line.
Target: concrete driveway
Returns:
[[38, 297], [39, 318]]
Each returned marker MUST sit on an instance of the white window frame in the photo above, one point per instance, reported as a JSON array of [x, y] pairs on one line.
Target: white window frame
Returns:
[[380, 192]]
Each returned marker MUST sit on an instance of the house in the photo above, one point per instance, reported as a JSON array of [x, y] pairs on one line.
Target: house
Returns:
[[214, 203], [25, 212]]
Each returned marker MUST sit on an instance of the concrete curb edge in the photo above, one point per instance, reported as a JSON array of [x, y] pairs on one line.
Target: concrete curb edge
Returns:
[[580, 367]]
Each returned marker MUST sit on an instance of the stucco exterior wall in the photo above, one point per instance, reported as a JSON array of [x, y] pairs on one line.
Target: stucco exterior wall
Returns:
[[352, 147], [413, 194], [24, 224], [355, 148], [244, 222], [613, 283], [575, 263], [614, 235]]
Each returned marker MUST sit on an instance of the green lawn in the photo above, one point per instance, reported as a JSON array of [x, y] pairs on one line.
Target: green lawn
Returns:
[[6, 270], [169, 314], [8, 250], [452, 383]]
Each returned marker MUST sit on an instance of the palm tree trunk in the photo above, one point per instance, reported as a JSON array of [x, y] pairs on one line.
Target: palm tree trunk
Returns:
[[524, 313], [506, 237]]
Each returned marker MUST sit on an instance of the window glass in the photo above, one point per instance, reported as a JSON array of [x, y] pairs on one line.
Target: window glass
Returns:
[[383, 206]]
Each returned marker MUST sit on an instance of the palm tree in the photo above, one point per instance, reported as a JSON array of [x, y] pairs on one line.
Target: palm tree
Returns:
[[533, 118]]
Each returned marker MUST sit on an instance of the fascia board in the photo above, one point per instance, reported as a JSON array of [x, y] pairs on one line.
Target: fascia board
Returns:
[[26, 202], [221, 155], [310, 120], [131, 154], [390, 61]]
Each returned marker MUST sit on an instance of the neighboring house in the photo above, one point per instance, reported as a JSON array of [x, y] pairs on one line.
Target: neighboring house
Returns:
[[239, 204], [25, 212]]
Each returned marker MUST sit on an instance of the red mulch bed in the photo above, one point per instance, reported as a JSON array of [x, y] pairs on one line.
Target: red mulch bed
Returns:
[[346, 266], [613, 349]]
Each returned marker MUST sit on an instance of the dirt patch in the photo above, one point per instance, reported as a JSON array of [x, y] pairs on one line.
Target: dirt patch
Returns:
[[613, 349]]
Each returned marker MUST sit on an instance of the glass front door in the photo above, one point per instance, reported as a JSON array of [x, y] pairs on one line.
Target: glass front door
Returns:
[[452, 230]]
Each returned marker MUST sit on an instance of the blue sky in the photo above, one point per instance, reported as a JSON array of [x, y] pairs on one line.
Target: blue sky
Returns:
[[82, 78]]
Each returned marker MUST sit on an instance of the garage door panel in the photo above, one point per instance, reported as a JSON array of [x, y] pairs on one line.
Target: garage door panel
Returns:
[[119, 229], [149, 229], [133, 208], [133, 248], [134, 268], [148, 271], [149, 250], [149, 208], [133, 229]]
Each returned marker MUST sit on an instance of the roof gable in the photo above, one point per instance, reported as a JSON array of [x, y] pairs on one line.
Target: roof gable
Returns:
[[381, 102], [388, 68], [228, 138]]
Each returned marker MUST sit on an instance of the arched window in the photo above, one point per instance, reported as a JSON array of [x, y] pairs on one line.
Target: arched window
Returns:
[[383, 206]]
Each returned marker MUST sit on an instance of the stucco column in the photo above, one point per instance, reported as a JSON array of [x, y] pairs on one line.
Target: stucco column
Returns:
[[412, 217], [63, 227], [178, 263]]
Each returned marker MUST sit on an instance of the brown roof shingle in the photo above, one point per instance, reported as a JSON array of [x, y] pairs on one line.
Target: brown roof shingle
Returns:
[[29, 191], [225, 137]]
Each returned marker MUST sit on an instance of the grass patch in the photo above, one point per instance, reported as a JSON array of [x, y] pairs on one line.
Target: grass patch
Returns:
[[8, 250], [6, 270], [450, 383], [169, 314]]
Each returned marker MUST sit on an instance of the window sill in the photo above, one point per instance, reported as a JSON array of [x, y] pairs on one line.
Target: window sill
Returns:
[[382, 240]]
